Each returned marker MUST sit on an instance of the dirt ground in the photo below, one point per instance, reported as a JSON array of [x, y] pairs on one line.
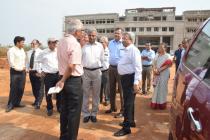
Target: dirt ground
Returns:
[[30, 124]]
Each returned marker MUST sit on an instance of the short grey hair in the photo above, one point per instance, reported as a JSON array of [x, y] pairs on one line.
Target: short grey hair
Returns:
[[104, 39], [72, 25], [91, 29], [131, 36]]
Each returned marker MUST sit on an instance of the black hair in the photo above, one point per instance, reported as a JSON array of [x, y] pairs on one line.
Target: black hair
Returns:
[[18, 39]]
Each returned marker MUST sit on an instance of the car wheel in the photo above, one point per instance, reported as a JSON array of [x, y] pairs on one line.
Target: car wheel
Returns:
[[170, 136]]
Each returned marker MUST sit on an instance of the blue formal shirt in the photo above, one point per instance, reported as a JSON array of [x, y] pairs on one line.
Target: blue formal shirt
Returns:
[[115, 51], [150, 54]]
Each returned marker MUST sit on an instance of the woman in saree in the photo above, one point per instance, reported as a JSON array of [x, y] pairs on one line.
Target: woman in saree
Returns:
[[161, 71]]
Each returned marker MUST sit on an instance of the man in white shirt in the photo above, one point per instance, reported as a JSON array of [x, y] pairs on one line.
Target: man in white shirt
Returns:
[[17, 61], [92, 60], [105, 73], [130, 70], [34, 67], [49, 66]]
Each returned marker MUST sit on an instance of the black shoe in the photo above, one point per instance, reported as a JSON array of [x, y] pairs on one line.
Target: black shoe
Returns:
[[133, 124], [37, 107], [9, 108], [49, 112], [20, 105], [118, 115], [122, 132], [86, 119], [110, 111], [93, 119]]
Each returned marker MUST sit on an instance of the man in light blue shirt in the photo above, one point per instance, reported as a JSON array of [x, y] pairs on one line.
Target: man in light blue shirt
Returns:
[[115, 51], [147, 56]]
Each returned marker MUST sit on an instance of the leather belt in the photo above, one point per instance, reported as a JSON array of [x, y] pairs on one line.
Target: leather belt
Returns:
[[92, 69], [147, 65]]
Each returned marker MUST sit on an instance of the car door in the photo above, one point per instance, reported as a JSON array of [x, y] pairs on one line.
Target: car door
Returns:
[[195, 100], [192, 65], [198, 112]]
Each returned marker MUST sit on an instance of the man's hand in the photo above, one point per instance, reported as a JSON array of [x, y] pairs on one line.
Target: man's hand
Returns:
[[60, 84], [136, 88]]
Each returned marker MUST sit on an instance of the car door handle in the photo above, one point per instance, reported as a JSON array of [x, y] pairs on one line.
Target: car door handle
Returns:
[[197, 124]]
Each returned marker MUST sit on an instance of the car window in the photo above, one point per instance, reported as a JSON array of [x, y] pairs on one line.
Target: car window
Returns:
[[199, 53]]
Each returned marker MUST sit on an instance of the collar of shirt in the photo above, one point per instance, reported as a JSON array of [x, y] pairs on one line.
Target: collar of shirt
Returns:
[[92, 43]]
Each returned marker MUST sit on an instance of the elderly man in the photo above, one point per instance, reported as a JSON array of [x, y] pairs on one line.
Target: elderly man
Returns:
[[33, 69], [49, 66], [115, 51], [92, 60], [70, 70], [105, 72], [147, 57], [16, 57], [129, 68]]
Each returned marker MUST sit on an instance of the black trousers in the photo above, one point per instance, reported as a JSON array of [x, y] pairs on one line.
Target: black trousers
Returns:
[[114, 78], [50, 80], [17, 85], [105, 86], [71, 103], [37, 87], [129, 99]]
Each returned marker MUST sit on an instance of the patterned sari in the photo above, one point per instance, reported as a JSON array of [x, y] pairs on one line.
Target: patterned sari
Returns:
[[159, 97]]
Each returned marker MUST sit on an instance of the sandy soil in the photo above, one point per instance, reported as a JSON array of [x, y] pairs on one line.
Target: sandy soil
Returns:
[[30, 124]]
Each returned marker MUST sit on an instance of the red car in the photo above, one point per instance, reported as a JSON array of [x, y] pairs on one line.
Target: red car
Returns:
[[190, 109]]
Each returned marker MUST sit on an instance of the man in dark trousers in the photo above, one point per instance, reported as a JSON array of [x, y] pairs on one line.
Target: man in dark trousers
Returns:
[[130, 70], [178, 55], [115, 51], [70, 71], [34, 68], [17, 61]]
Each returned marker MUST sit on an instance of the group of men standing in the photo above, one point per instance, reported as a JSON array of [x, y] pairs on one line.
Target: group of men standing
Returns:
[[80, 70]]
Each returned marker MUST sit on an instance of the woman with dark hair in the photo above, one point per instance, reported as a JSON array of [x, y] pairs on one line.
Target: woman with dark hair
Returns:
[[162, 62]]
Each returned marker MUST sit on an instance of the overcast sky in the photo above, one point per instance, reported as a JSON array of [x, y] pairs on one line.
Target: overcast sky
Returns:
[[42, 19]]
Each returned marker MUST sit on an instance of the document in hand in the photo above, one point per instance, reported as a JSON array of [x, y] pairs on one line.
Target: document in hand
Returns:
[[54, 90]]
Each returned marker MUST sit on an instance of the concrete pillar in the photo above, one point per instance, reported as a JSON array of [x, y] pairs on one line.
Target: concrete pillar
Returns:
[[161, 39], [136, 41]]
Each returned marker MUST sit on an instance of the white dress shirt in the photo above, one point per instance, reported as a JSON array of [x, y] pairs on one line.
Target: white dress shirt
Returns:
[[37, 64], [93, 55], [106, 59], [130, 63], [48, 60], [17, 58]]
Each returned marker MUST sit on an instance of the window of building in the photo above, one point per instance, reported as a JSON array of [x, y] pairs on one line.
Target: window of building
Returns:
[[156, 29], [141, 29], [101, 30], [157, 18], [134, 18], [127, 29], [109, 30], [164, 18], [112, 20], [171, 29], [164, 29], [149, 29], [133, 29]]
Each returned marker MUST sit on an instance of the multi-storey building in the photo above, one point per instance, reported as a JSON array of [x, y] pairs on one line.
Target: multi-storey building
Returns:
[[154, 25]]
